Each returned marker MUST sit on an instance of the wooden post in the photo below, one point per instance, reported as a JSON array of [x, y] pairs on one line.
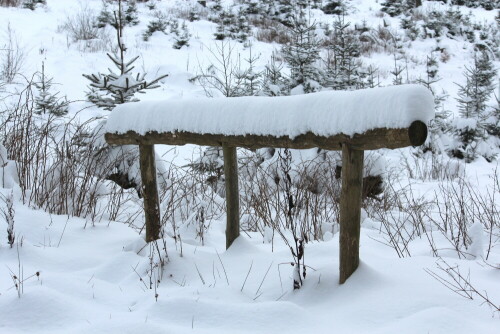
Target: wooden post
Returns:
[[232, 194], [350, 210], [150, 192]]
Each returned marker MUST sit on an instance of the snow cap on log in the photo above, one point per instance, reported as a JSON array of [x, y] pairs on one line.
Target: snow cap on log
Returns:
[[325, 113]]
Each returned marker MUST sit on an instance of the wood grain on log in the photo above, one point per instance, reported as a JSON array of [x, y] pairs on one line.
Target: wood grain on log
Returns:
[[350, 211], [150, 192], [370, 140], [232, 194]]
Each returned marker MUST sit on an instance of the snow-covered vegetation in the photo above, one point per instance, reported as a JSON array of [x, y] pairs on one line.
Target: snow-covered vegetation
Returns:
[[72, 245]]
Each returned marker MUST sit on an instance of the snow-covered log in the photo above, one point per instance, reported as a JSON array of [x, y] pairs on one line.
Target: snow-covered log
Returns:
[[366, 119], [351, 121]]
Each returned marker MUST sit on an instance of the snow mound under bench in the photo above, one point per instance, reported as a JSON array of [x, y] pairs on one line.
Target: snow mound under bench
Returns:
[[325, 113]]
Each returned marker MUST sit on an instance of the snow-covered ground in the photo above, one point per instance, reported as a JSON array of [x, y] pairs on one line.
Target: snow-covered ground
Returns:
[[83, 277], [88, 284]]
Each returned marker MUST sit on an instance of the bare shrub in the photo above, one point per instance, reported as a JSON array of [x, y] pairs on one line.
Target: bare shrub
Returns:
[[429, 166], [81, 26], [158, 258], [458, 212], [271, 31], [380, 39], [293, 198], [103, 43], [458, 282], [7, 211], [189, 200], [314, 188], [56, 171], [402, 217], [9, 3], [12, 56], [460, 205], [190, 13], [222, 76]]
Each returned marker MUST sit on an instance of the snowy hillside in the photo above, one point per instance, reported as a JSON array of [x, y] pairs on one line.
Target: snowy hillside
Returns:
[[73, 256]]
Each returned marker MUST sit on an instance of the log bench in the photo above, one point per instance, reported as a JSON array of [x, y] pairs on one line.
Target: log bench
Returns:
[[354, 121]]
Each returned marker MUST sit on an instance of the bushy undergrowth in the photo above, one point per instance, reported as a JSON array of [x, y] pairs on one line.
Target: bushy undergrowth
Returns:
[[55, 168]]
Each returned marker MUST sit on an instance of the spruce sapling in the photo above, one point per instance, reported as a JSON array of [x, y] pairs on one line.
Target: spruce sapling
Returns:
[[108, 90], [472, 98], [274, 82], [302, 54], [182, 37], [160, 23], [250, 78], [47, 102], [105, 16], [343, 64], [131, 16]]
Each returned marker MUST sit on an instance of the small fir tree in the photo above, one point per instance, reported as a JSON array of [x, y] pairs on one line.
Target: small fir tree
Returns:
[[217, 6], [474, 95], [48, 102], [182, 37], [397, 71], [395, 7], [440, 124], [486, 4], [343, 66], [274, 82], [174, 27], [105, 17], [131, 16], [431, 77], [251, 7], [160, 23], [282, 11], [493, 123], [232, 25], [151, 4], [225, 24], [8, 214], [286, 11], [32, 4], [193, 14], [241, 29], [250, 78], [302, 54], [216, 11], [410, 26], [335, 7], [472, 99], [371, 75], [108, 90]]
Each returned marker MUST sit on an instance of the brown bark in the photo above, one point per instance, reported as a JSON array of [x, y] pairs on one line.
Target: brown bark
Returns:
[[232, 194], [150, 192], [350, 211], [370, 140]]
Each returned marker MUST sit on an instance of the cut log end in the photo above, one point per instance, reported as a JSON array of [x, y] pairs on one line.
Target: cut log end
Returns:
[[417, 132]]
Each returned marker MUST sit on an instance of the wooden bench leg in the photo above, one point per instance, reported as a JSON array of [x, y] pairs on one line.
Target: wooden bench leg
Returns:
[[350, 210], [150, 192], [232, 194]]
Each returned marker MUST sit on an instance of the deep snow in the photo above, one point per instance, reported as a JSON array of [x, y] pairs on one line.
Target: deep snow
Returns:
[[323, 113], [89, 278]]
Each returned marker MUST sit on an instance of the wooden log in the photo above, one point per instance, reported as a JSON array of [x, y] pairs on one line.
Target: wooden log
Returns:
[[350, 210], [232, 194], [370, 140], [150, 192]]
